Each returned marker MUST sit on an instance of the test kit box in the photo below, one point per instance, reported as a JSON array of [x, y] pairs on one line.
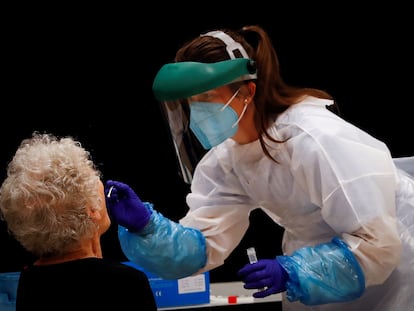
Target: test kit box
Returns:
[[191, 290]]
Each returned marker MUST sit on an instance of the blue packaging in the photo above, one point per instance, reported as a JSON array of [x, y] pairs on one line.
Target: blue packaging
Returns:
[[8, 290], [192, 290]]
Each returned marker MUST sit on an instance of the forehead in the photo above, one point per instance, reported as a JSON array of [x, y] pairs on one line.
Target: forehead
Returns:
[[220, 92]]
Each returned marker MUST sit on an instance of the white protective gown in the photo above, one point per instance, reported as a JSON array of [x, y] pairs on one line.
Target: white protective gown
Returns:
[[332, 179]]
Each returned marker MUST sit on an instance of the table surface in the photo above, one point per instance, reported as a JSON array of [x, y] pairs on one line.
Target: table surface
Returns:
[[229, 293]]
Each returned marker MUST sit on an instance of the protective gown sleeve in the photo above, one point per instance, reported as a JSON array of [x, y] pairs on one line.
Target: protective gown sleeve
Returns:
[[164, 247], [326, 273]]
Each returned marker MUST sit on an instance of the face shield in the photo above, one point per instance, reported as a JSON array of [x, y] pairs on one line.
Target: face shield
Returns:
[[175, 82]]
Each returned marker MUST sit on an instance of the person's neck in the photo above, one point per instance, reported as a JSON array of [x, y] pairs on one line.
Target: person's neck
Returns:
[[87, 249], [246, 132]]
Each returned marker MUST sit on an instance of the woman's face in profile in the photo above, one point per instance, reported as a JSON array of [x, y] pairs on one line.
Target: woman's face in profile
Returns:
[[102, 217]]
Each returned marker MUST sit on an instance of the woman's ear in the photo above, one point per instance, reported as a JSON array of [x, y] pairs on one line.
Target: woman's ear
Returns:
[[250, 90]]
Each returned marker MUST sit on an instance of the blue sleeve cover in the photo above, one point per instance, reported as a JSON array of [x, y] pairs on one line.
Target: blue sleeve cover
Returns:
[[323, 274], [164, 247]]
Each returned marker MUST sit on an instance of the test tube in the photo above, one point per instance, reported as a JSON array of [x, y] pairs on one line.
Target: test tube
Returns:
[[110, 192], [251, 253]]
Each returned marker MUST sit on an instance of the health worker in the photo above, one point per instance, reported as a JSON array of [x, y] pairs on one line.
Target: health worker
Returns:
[[346, 206]]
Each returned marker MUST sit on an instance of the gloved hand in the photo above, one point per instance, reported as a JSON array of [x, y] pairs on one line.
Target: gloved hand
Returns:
[[265, 273], [125, 207]]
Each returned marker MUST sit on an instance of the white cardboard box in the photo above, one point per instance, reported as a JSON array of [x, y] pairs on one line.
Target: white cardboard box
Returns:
[[191, 290]]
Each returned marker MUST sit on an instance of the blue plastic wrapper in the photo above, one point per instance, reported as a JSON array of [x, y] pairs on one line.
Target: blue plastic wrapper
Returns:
[[323, 274], [164, 247]]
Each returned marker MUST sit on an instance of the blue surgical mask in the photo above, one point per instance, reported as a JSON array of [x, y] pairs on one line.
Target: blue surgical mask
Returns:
[[212, 123]]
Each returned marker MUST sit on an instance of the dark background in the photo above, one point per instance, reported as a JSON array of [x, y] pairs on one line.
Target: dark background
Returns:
[[87, 72]]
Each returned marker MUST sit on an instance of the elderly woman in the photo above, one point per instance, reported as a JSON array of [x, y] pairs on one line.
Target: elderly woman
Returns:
[[54, 204]]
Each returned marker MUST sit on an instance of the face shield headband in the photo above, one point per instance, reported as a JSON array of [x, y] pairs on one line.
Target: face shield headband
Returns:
[[184, 79]]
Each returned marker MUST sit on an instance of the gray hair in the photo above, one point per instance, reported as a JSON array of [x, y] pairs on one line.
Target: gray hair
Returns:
[[50, 182]]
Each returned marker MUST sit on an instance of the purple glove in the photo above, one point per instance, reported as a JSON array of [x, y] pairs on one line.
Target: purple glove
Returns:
[[125, 207], [267, 274]]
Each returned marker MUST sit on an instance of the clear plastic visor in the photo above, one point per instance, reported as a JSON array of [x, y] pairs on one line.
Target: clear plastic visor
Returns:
[[187, 148]]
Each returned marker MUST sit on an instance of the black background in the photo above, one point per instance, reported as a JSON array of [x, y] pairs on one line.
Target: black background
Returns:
[[87, 72]]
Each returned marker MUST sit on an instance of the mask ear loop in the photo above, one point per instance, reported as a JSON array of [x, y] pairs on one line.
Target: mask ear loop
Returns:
[[243, 111], [230, 100], [241, 115]]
